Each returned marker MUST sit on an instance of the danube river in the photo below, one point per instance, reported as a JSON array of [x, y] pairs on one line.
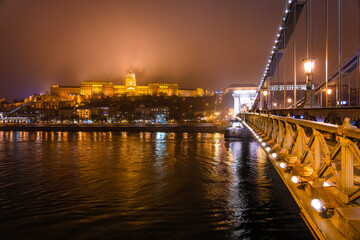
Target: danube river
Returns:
[[59, 185]]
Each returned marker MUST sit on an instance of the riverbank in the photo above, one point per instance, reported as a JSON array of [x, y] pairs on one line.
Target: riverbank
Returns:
[[190, 127]]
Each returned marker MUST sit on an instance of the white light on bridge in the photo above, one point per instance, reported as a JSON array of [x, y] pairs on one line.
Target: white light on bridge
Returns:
[[283, 165], [295, 179], [317, 204], [274, 155], [263, 144], [268, 149]]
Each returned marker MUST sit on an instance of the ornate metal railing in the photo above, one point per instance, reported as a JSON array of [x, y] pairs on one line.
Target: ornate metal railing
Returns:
[[323, 154]]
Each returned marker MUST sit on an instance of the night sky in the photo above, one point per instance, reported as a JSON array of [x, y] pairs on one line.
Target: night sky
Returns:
[[196, 43]]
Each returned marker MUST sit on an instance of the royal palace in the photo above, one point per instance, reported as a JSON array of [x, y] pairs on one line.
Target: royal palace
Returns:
[[90, 89]]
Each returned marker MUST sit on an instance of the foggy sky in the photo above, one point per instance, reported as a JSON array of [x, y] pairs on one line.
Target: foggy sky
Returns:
[[197, 43]]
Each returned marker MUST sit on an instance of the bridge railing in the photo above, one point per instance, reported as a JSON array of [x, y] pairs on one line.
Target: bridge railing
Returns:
[[326, 155]]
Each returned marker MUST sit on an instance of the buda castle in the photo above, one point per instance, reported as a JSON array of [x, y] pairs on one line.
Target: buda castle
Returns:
[[90, 89]]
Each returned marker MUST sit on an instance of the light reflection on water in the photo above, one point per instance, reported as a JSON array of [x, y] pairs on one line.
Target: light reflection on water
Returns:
[[140, 186]]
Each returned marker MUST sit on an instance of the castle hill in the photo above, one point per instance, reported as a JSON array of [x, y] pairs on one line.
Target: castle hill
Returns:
[[103, 102]]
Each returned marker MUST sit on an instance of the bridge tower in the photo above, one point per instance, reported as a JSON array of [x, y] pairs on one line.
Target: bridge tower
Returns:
[[237, 103], [243, 94]]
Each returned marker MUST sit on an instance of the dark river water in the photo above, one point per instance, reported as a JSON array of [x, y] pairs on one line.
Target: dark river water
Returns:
[[141, 186]]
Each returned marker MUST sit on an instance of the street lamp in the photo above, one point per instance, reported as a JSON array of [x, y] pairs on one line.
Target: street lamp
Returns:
[[265, 93], [289, 100], [328, 92], [309, 65]]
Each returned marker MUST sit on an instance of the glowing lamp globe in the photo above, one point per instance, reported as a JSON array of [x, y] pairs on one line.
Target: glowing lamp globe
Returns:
[[309, 65]]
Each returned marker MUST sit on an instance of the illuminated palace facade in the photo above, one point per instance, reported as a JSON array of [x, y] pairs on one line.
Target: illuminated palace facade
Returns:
[[90, 89]]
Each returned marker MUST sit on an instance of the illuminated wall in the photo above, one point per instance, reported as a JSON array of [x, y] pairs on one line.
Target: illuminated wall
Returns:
[[108, 89], [168, 89], [93, 88], [64, 91], [83, 113], [190, 92]]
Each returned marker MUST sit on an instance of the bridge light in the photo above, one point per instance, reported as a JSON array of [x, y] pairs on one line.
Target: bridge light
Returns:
[[268, 149], [283, 165], [272, 52], [278, 35], [329, 91], [309, 65], [317, 204], [274, 155], [281, 28], [263, 144], [289, 100], [324, 210], [265, 93], [295, 179]]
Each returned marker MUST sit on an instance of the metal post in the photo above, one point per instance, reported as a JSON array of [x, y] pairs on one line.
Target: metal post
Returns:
[[349, 90], [321, 102], [347, 167], [339, 60], [311, 29], [307, 30], [284, 71], [294, 54], [311, 51], [326, 51], [317, 152]]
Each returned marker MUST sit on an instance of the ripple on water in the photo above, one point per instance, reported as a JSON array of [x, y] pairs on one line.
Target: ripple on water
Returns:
[[141, 186]]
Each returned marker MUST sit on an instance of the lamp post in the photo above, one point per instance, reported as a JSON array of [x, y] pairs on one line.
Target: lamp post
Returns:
[[327, 93], [265, 93], [309, 65]]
